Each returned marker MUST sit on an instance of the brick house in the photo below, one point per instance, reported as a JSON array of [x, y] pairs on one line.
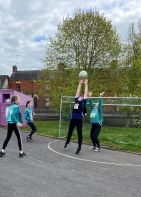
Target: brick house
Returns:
[[27, 81]]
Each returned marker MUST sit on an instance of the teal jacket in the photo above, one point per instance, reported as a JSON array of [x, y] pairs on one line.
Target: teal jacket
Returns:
[[96, 115], [28, 115], [13, 114]]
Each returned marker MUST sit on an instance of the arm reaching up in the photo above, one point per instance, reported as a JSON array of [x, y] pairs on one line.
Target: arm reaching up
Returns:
[[91, 102], [101, 94], [100, 102], [86, 88], [79, 88]]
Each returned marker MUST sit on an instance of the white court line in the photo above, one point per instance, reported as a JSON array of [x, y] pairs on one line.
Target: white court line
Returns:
[[91, 161]]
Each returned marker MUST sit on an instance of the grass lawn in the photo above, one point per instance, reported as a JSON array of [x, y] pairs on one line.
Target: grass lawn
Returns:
[[114, 137]]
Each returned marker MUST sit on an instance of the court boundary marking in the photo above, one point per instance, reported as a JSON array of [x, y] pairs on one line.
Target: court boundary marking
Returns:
[[91, 161]]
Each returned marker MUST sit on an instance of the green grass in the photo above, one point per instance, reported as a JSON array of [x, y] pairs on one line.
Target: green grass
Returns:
[[114, 137]]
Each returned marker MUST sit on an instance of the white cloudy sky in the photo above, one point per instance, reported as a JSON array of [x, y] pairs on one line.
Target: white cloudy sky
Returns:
[[25, 26]]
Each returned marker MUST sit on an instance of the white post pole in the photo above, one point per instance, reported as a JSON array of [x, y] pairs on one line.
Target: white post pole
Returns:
[[60, 120]]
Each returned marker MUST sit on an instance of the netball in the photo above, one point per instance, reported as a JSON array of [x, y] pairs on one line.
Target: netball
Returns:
[[83, 74]]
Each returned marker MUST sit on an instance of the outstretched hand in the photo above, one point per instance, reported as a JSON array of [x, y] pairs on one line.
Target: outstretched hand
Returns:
[[19, 125], [101, 94], [85, 81], [81, 81]]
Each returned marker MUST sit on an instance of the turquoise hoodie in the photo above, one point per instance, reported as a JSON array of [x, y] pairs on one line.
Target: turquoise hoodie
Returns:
[[96, 115], [28, 115], [14, 114]]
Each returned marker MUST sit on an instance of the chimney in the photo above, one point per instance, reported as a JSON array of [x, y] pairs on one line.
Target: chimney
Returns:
[[14, 68]]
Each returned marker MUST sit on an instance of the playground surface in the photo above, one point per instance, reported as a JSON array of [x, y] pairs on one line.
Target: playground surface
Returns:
[[49, 170]]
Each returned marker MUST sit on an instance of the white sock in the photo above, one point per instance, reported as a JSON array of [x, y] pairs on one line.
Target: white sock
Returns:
[[2, 150], [21, 151]]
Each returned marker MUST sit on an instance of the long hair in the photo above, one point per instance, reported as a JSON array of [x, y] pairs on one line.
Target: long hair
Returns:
[[14, 99], [27, 103]]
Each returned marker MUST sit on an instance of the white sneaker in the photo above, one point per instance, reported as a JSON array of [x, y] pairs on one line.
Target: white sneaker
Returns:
[[96, 149], [99, 150]]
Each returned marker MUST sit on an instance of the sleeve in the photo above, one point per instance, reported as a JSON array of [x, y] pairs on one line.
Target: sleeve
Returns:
[[100, 103], [85, 102], [16, 115], [91, 104], [6, 112], [27, 116]]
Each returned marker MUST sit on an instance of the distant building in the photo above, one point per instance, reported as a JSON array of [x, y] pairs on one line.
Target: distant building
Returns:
[[4, 81], [27, 81]]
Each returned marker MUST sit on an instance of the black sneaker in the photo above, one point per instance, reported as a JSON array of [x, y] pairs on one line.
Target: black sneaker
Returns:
[[29, 139], [21, 155], [2, 154], [67, 143], [65, 146], [77, 151]]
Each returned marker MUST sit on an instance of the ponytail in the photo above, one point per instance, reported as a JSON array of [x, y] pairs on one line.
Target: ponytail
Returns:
[[27, 103]]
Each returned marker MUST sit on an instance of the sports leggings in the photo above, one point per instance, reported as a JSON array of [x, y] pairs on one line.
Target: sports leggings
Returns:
[[11, 128], [33, 128], [95, 130], [78, 124]]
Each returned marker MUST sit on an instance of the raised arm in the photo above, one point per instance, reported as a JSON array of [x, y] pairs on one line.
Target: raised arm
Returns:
[[91, 102], [79, 88], [86, 89], [100, 101]]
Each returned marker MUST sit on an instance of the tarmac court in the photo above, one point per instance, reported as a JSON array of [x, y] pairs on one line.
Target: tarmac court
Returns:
[[49, 170]]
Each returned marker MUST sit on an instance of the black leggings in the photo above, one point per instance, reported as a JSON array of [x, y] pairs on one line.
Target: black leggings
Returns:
[[11, 128], [78, 124], [33, 128], [95, 130]]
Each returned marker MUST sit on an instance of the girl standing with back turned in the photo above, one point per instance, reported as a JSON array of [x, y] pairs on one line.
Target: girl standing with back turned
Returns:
[[14, 120]]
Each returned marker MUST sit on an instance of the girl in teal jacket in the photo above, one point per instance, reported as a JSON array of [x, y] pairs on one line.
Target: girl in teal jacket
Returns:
[[96, 118], [14, 120], [28, 116]]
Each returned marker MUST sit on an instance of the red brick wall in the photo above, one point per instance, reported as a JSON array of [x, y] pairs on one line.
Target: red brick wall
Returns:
[[29, 88]]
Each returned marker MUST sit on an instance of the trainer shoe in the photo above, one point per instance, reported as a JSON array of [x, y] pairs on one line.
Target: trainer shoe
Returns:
[[2, 154], [96, 149], [21, 155], [65, 146], [77, 151], [29, 139], [99, 150]]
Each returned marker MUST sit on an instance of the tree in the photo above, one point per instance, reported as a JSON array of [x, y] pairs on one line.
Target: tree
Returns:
[[85, 41], [57, 82], [133, 61]]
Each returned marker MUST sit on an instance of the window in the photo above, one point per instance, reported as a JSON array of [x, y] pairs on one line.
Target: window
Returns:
[[6, 98], [18, 86], [46, 102], [35, 99]]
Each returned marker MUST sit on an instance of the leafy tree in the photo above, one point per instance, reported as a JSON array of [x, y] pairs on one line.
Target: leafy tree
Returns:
[[133, 61], [57, 82], [85, 41]]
